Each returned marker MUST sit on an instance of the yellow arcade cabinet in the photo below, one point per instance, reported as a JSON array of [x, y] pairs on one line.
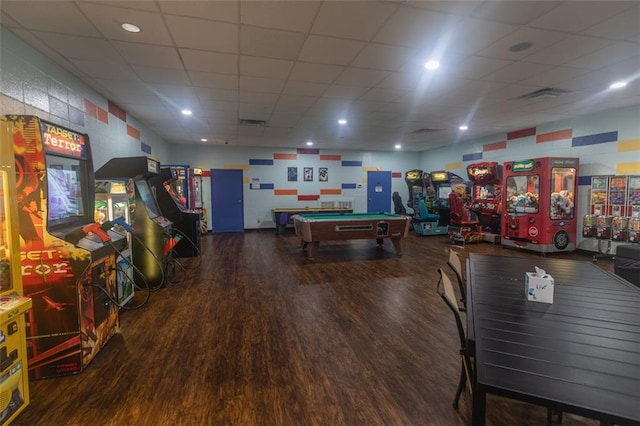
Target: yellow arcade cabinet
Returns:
[[14, 380]]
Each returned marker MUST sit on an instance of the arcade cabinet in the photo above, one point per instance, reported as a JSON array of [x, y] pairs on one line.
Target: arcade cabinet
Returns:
[[186, 222], [113, 199], [185, 184], [68, 260], [539, 197], [151, 239], [424, 220], [486, 197], [14, 380]]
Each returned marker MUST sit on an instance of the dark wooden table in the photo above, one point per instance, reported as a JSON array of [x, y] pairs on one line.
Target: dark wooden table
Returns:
[[580, 354]]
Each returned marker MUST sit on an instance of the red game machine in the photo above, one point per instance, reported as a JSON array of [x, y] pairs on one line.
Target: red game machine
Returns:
[[68, 260], [539, 196], [486, 203]]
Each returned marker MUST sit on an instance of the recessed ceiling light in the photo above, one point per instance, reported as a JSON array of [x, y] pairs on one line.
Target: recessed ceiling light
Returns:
[[186, 112], [618, 85], [463, 127], [309, 143], [342, 121], [432, 65], [398, 146], [203, 140], [131, 28]]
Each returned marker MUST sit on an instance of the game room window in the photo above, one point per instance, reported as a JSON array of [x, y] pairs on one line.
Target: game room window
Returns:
[[562, 192], [523, 194]]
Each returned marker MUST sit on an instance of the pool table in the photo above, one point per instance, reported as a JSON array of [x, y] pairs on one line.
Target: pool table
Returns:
[[282, 216], [314, 228]]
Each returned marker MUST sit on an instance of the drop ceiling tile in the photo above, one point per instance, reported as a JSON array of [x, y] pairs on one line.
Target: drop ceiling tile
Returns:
[[264, 67], [318, 73], [258, 97], [140, 5], [361, 77], [478, 66], [615, 52], [455, 7], [382, 95], [198, 60], [327, 50], [289, 109], [213, 80], [227, 11], [627, 68], [566, 50], [344, 92], [592, 82], [176, 92], [401, 81], [149, 55], [624, 26], [517, 12], [202, 34], [217, 95], [304, 88], [471, 35], [270, 43], [161, 75], [283, 120], [574, 17], [539, 39], [7, 22], [48, 16], [297, 100], [417, 28], [383, 57], [257, 84], [103, 69], [282, 15], [79, 48], [108, 20], [554, 77], [352, 20], [131, 89], [220, 110], [246, 109], [516, 72]]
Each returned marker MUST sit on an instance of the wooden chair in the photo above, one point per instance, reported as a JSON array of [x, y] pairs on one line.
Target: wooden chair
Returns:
[[446, 291], [455, 264]]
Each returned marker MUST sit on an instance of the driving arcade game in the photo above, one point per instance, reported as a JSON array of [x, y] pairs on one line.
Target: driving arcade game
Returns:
[[186, 222], [539, 197], [151, 239], [14, 381], [68, 260]]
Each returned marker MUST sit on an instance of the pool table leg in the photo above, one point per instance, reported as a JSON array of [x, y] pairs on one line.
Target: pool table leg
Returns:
[[311, 249], [397, 244]]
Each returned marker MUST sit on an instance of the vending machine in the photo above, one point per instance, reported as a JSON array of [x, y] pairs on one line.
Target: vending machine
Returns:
[[68, 260], [14, 381], [114, 201], [633, 210], [486, 197], [539, 197]]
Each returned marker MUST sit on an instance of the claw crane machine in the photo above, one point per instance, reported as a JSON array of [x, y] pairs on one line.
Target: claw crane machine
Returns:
[[14, 380], [539, 197]]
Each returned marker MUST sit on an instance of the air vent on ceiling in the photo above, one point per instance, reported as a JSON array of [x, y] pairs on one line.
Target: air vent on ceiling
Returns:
[[246, 122], [423, 131], [548, 92]]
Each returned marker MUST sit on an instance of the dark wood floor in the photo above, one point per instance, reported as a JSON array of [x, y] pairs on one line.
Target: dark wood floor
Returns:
[[255, 335]]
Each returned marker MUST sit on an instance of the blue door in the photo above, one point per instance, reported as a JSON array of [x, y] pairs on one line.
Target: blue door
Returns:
[[379, 192], [227, 211]]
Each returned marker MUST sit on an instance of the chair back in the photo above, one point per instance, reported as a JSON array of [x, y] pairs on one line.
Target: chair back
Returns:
[[455, 264], [448, 294]]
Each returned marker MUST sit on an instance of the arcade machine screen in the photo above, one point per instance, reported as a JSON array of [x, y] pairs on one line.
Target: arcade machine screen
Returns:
[[65, 186], [443, 192], [147, 198]]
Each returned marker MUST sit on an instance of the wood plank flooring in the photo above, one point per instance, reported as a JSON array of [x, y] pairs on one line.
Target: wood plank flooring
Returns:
[[257, 335]]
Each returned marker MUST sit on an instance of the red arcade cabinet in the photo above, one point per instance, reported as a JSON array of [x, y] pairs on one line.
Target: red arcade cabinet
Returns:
[[539, 200], [486, 197], [68, 260]]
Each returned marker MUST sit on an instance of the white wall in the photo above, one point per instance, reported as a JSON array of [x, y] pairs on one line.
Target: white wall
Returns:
[[31, 84]]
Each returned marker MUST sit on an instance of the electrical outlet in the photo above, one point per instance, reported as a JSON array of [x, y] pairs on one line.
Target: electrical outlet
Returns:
[[259, 221]]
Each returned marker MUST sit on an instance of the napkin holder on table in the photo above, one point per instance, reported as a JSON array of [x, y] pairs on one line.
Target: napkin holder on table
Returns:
[[539, 286]]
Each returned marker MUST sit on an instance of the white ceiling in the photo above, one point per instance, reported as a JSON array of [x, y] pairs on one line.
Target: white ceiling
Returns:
[[302, 65]]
